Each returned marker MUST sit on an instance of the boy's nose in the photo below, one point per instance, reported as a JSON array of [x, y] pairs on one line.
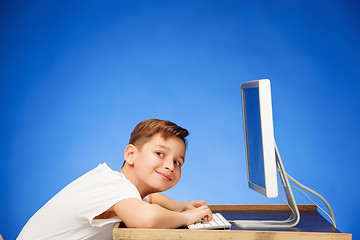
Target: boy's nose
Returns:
[[169, 168], [168, 165]]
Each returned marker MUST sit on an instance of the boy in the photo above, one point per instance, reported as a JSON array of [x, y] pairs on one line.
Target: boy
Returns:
[[89, 207]]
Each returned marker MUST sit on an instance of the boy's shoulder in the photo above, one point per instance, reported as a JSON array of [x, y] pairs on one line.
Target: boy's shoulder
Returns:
[[103, 175], [99, 184], [102, 172]]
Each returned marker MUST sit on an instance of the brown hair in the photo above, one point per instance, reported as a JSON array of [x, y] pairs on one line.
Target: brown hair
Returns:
[[148, 128]]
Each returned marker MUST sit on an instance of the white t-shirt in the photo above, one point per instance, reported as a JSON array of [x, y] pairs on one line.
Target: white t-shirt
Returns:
[[70, 213]]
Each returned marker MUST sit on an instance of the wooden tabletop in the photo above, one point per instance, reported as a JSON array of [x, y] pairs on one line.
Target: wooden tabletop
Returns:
[[312, 225]]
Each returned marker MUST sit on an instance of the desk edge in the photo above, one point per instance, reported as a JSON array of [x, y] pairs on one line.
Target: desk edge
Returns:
[[255, 207]]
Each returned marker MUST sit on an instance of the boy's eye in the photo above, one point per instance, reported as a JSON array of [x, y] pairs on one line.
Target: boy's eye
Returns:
[[160, 154], [177, 163]]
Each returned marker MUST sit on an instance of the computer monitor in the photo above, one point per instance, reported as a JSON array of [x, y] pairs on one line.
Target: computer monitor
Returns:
[[259, 137], [263, 158]]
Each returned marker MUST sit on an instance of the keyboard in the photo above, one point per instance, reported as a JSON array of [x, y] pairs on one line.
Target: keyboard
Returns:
[[218, 222]]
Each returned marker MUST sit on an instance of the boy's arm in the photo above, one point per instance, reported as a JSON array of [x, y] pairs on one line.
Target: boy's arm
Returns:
[[168, 203], [140, 214], [174, 205]]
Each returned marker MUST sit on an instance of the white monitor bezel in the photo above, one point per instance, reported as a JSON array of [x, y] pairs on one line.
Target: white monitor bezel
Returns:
[[267, 131]]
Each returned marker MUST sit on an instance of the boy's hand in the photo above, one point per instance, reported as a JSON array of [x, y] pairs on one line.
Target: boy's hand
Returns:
[[192, 204], [197, 210], [192, 211], [195, 214]]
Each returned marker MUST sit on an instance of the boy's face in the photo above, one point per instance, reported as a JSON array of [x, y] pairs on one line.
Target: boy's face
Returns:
[[157, 166]]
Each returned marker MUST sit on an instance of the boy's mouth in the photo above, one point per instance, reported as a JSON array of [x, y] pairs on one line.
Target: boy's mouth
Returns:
[[165, 176]]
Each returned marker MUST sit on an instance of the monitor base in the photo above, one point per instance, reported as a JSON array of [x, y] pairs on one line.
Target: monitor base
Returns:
[[294, 218]]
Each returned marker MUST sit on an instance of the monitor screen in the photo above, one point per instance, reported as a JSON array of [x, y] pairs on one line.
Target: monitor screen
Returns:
[[259, 137]]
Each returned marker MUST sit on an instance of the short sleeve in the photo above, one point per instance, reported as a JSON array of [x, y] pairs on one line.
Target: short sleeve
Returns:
[[103, 190], [146, 199], [70, 213]]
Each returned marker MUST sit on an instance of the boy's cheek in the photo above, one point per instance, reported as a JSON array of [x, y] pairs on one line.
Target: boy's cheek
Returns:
[[178, 178]]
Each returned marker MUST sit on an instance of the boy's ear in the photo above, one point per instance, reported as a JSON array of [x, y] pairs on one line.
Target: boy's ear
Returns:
[[129, 154]]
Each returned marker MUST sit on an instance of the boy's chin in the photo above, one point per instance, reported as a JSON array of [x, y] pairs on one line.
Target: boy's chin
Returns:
[[160, 188]]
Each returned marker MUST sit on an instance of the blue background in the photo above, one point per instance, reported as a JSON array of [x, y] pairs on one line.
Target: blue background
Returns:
[[77, 76]]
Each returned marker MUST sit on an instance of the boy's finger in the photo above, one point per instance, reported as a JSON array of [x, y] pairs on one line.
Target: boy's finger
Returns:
[[199, 203], [209, 216], [208, 213]]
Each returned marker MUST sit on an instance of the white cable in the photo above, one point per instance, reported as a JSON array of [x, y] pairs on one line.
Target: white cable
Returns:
[[332, 217], [291, 217], [333, 222], [282, 197]]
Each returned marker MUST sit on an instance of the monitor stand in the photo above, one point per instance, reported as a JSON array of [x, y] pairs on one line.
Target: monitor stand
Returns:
[[294, 218]]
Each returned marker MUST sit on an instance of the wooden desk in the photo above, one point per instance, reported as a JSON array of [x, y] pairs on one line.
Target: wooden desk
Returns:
[[311, 226]]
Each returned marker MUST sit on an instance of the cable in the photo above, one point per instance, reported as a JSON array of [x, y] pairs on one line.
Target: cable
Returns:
[[332, 217], [316, 194], [333, 222], [291, 217]]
